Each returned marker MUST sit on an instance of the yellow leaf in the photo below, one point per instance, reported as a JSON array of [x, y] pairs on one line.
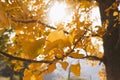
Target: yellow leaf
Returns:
[[24, 9], [56, 35], [85, 4], [90, 48], [18, 66], [101, 73], [58, 53], [3, 18], [60, 27], [52, 67], [115, 13], [33, 48], [39, 78], [34, 66], [75, 69], [26, 78], [57, 39], [33, 77], [57, 44], [71, 39], [27, 75], [76, 55], [64, 65]]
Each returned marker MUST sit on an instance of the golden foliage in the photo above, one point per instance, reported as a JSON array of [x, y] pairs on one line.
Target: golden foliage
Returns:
[[31, 38]]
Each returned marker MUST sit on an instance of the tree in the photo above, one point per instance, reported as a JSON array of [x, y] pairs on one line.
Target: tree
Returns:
[[111, 38], [26, 35]]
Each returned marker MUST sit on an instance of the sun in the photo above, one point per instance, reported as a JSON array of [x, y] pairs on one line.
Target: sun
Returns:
[[59, 12]]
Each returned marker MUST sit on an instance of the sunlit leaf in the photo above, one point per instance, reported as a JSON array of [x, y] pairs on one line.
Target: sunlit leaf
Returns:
[[115, 13], [27, 75], [57, 44], [56, 35], [64, 65], [32, 77], [90, 48], [34, 66], [17, 65], [71, 39], [85, 4], [39, 78], [75, 69], [76, 55], [51, 67], [58, 53], [33, 48], [3, 18]]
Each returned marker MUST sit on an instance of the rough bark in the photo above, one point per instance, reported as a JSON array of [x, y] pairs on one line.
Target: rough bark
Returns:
[[111, 40]]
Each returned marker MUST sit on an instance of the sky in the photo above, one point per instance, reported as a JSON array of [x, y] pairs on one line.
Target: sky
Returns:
[[88, 72]]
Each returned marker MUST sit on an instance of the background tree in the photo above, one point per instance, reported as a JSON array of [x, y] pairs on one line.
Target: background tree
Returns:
[[26, 34]]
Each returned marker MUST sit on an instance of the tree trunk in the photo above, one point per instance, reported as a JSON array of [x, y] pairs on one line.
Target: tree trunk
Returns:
[[111, 41]]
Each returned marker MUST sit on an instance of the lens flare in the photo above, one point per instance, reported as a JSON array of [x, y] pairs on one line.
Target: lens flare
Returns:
[[58, 13]]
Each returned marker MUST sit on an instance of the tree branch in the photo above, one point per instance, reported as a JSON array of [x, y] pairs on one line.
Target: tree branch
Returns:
[[36, 21], [75, 44], [87, 56], [23, 59], [50, 62], [92, 58], [41, 61]]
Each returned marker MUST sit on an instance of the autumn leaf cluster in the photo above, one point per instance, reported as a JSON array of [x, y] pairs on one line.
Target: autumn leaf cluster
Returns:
[[27, 38]]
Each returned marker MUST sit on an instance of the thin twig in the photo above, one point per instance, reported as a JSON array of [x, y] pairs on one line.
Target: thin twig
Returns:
[[92, 58], [80, 38], [75, 43], [36, 21]]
